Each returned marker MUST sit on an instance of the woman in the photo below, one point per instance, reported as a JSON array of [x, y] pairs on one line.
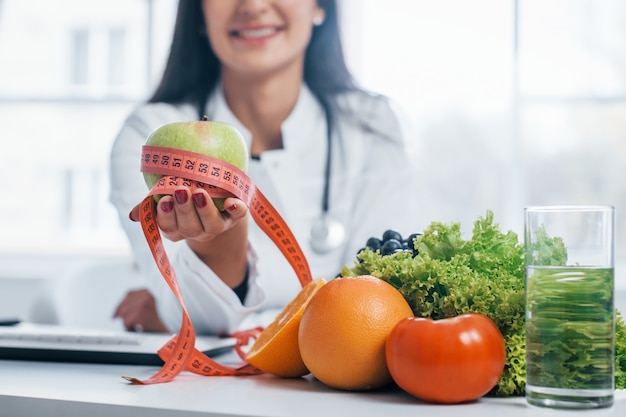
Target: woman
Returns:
[[275, 70]]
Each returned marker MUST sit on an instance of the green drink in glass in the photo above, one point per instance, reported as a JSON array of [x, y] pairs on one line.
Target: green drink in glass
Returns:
[[570, 310]]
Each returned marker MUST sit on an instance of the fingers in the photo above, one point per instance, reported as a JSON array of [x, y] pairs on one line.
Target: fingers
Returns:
[[235, 208], [166, 218], [129, 309], [138, 312], [187, 215], [183, 205], [183, 216]]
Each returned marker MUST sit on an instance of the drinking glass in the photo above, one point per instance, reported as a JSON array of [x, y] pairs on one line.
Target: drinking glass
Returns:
[[570, 310]]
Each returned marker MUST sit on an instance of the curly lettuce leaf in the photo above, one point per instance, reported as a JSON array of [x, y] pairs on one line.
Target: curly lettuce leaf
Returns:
[[546, 250], [620, 351]]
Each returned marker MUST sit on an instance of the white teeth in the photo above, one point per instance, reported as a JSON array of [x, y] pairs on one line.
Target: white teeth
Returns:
[[256, 33]]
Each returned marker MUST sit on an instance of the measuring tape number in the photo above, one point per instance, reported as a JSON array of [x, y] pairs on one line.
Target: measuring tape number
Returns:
[[219, 179]]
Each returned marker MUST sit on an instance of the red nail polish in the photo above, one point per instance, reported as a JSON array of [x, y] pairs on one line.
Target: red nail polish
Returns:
[[167, 206], [180, 196], [232, 208], [199, 199]]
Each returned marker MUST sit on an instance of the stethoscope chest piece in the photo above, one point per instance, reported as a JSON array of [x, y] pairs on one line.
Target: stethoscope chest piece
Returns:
[[327, 234]]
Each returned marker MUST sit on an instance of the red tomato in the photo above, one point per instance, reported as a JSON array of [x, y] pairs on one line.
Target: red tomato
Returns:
[[451, 360]]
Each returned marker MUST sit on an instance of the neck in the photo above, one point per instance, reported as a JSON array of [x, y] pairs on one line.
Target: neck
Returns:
[[262, 105]]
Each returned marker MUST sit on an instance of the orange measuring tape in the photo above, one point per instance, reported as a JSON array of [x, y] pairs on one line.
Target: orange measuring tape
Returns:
[[220, 179]]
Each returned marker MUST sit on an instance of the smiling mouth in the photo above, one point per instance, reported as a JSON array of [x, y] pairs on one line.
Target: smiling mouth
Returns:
[[254, 33]]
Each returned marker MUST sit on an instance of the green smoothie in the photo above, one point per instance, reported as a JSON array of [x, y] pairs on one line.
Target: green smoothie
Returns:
[[570, 321]]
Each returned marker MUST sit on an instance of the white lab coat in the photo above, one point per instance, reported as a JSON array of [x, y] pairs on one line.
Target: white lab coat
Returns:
[[373, 188]]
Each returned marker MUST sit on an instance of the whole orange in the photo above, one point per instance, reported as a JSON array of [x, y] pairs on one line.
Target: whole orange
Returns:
[[344, 328]]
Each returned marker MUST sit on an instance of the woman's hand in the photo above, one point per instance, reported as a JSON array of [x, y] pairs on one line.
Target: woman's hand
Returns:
[[218, 238], [187, 215], [139, 314]]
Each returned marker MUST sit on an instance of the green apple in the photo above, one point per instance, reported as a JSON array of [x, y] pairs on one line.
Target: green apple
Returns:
[[216, 139]]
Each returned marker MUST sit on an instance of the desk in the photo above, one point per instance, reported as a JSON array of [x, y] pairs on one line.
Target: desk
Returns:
[[59, 389]]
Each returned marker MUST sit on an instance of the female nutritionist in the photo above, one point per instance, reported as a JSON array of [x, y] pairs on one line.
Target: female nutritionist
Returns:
[[326, 154]]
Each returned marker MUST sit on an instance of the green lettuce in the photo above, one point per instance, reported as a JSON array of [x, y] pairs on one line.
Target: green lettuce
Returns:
[[485, 274], [620, 351]]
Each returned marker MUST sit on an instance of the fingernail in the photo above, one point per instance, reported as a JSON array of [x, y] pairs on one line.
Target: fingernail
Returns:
[[167, 206], [180, 196], [232, 208], [199, 199], [131, 217]]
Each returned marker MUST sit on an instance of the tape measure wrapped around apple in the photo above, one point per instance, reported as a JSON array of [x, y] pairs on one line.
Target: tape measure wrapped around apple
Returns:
[[215, 139], [214, 156]]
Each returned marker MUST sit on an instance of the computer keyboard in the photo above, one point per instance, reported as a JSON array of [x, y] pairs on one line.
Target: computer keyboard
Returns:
[[27, 341], [71, 338]]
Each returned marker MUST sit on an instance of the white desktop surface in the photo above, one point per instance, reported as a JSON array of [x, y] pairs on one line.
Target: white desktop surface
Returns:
[[60, 389]]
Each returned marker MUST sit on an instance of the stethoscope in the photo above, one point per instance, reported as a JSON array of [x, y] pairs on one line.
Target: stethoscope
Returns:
[[327, 233]]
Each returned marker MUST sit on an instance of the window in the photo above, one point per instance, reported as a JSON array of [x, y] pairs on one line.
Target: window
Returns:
[[117, 57], [80, 54], [452, 65], [572, 103], [71, 72], [515, 102]]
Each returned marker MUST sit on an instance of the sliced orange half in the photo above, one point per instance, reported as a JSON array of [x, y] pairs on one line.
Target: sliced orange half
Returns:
[[276, 349]]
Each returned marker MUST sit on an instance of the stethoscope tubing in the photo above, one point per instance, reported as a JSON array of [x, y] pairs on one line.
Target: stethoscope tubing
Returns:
[[333, 232]]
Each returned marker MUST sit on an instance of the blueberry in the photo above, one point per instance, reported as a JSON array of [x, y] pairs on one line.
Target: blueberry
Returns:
[[390, 246], [373, 243], [392, 234]]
